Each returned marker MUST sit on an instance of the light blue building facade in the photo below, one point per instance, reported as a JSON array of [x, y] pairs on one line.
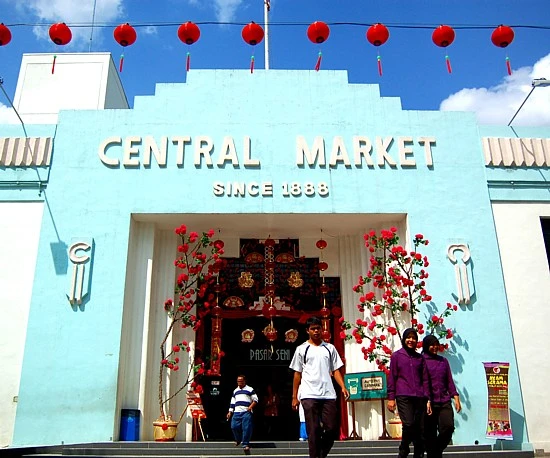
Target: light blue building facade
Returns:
[[274, 153]]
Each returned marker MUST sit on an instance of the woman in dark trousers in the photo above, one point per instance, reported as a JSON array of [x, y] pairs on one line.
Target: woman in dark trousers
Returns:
[[408, 390], [439, 426]]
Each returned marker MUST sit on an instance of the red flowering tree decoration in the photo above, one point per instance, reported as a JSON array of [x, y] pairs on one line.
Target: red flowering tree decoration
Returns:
[[396, 299], [197, 264]]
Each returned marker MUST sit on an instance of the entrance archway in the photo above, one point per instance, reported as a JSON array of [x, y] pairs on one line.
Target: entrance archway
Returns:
[[239, 332]]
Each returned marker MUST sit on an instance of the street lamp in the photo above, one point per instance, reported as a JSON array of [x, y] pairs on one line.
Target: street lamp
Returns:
[[537, 82]]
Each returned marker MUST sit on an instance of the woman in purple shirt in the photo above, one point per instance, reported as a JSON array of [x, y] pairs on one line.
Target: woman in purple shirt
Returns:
[[408, 389], [439, 426]]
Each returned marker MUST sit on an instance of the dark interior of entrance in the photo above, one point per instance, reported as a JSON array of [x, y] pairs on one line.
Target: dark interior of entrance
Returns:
[[245, 346]]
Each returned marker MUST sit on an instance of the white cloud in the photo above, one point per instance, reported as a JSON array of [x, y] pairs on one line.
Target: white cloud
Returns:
[[7, 115], [74, 12], [497, 105], [226, 9]]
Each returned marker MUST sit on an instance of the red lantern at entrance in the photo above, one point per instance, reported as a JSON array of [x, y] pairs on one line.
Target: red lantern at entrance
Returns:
[[501, 37], [125, 35], [5, 35], [189, 33], [61, 35], [443, 36], [377, 35], [318, 33], [252, 34]]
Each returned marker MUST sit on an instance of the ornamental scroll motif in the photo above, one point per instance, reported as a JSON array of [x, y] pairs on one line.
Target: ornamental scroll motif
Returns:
[[80, 255], [463, 290]]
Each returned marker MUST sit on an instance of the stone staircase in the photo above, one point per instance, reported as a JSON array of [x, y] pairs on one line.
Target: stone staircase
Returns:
[[280, 449]]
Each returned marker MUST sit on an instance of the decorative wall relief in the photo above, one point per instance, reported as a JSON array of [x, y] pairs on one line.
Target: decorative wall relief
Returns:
[[463, 289], [80, 256]]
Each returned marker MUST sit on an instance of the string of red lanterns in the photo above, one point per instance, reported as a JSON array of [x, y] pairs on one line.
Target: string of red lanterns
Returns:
[[317, 32]]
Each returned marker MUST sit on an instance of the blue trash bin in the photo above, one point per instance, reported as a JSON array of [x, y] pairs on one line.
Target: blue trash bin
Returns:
[[129, 425]]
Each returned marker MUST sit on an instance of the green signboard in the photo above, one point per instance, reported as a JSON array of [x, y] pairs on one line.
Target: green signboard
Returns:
[[364, 386]]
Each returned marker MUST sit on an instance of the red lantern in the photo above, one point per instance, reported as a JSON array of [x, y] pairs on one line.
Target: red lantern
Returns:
[[318, 33], [253, 34], [125, 35], [501, 37], [325, 312], [377, 34], [189, 33], [269, 242], [5, 35], [321, 244], [323, 266], [443, 36], [271, 334], [325, 335], [60, 34]]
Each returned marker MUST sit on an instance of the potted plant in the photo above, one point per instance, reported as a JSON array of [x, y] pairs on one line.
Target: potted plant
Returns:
[[197, 264]]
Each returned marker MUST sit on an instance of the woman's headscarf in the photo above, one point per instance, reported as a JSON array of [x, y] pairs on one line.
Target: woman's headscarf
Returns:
[[406, 333], [428, 341]]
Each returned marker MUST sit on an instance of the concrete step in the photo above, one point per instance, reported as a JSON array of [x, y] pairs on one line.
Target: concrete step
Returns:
[[279, 449]]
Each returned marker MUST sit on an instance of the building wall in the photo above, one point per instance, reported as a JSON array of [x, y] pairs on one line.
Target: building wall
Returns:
[[527, 279], [19, 234], [109, 171]]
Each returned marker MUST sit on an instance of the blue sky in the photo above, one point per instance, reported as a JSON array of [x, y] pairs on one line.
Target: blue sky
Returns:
[[414, 68]]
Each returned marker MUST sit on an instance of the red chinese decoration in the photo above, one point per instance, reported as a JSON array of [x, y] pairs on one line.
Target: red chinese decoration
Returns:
[[318, 33], [443, 36], [189, 33], [60, 34], [252, 34], [323, 266], [125, 35], [321, 244], [5, 35], [377, 35], [501, 37]]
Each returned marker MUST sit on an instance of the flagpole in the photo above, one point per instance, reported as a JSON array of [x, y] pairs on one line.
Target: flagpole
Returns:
[[267, 7]]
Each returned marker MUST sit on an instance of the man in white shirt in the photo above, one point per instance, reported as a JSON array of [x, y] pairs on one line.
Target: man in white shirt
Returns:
[[314, 363], [242, 402]]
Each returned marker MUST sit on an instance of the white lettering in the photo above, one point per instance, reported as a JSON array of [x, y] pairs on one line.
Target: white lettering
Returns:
[[382, 146], [129, 151], [339, 153], [362, 146], [427, 142], [405, 151], [102, 150], [228, 153], [151, 148], [303, 151], [180, 142], [248, 161], [203, 148]]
